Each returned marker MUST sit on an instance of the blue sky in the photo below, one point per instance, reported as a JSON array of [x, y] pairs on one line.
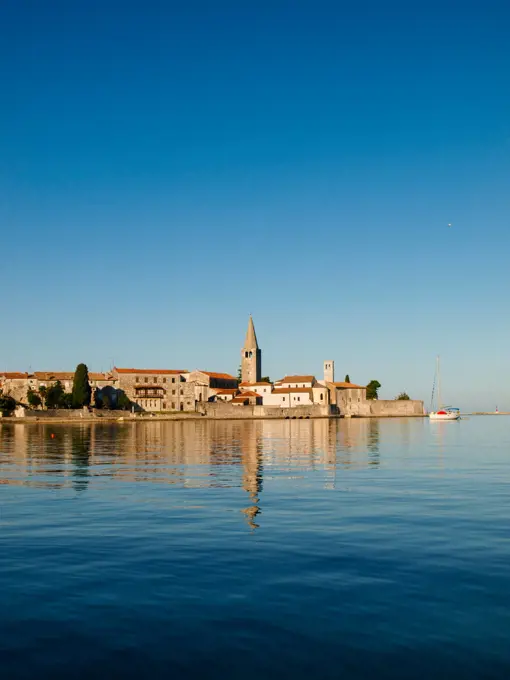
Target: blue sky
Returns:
[[168, 168]]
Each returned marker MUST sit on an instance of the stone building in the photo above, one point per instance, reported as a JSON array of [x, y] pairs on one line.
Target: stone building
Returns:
[[17, 385], [14, 385], [251, 357], [154, 389], [345, 395], [171, 390]]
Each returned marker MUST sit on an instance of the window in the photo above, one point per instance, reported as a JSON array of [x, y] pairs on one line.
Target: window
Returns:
[[173, 391], [173, 406], [156, 379], [164, 380], [322, 396], [299, 398], [173, 380], [146, 380]]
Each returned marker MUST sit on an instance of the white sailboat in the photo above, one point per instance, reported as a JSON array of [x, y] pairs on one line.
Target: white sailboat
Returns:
[[442, 412]]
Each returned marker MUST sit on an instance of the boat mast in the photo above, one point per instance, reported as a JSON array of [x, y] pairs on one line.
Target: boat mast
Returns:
[[439, 402]]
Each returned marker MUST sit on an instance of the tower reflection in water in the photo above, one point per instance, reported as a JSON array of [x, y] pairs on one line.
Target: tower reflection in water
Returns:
[[190, 454]]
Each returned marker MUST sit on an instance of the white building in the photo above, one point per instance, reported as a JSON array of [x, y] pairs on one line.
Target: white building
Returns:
[[262, 388]]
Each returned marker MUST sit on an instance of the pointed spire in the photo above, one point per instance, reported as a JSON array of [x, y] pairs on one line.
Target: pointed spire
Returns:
[[250, 341]]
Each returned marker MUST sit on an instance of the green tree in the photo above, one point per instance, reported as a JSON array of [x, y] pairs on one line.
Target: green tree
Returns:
[[43, 392], [7, 404], [266, 378], [34, 400], [66, 400], [107, 401], [55, 395], [403, 396], [123, 401], [347, 379], [372, 389], [82, 391]]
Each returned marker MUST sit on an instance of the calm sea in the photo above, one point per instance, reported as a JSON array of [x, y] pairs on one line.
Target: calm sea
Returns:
[[256, 549]]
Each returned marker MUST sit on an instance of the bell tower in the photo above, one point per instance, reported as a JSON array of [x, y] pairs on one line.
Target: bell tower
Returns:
[[329, 371], [251, 356]]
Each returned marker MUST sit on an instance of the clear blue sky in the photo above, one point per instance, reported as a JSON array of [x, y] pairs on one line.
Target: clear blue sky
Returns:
[[168, 168]]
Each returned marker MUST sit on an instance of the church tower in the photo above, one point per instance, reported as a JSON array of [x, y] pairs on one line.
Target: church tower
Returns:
[[251, 356], [329, 371]]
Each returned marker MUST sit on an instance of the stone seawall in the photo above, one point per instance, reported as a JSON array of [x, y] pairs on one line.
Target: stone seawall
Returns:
[[228, 411], [225, 411], [381, 408]]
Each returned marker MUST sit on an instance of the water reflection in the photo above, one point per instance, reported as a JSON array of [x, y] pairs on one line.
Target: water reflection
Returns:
[[190, 454]]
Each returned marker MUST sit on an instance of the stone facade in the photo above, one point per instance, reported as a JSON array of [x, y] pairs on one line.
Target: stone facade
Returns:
[[154, 389], [14, 385], [17, 385]]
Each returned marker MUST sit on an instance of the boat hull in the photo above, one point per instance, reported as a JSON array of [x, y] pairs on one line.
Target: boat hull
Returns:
[[444, 416]]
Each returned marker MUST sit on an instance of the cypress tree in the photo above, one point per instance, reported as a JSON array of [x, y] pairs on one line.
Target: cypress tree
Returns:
[[81, 388], [347, 379]]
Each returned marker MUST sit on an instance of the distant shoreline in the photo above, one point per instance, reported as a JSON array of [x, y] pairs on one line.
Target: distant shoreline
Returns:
[[48, 420], [114, 419]]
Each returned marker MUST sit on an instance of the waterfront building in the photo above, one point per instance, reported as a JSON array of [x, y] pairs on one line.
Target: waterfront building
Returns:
[[346, 395], [154, 389], [14, 384]]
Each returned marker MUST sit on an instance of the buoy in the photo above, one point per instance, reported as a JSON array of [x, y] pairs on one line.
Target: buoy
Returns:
[[52, 435]]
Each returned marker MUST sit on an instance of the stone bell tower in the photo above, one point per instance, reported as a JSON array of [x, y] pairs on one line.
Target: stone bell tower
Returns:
[[329, 371], [251, 356]]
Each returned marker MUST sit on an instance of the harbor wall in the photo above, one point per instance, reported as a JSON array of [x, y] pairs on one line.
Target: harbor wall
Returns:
[[382, 408]]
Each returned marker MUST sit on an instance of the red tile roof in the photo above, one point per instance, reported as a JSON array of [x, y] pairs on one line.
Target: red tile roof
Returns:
[[292, 390], [50, 375], [298, 378], [227, 391], [348, 386], [240, 400], [149, 371], [100, 376], [14, 376], [248, 393], [220, 376]]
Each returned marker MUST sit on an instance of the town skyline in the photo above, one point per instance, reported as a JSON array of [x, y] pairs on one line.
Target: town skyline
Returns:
[[385, 392]]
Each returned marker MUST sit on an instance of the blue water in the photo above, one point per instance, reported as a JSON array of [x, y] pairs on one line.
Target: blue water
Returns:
[[256, 549]]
